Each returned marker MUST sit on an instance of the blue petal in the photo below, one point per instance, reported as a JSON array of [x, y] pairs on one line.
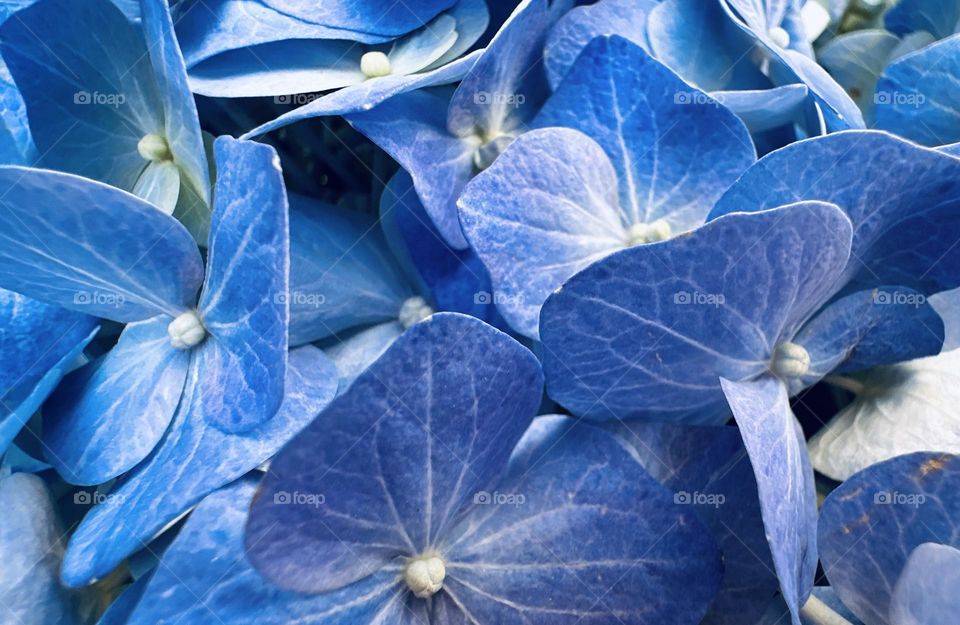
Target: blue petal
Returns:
[[180, 122], [30, 546], [352, 354], [16, 142], [937, 17], [90, 92], [697, 41], [585, 535], [508, 73], [456, 280], [93, 248], [708, 469], [856, 61], [545, 209], [207, 560], [926, 593], [840, 112], [422, 48], [191, 461], [765, 109], [917, 95], [159, 184], [105, 418], [572, 33], [341, 270], [412, 128], [788, 498], [870, 328], [871, 523], [397, 457], [366, 95], [242, 305], [123, 606], [382, 17], [906, 217], [39, 343], [648, 331], [627, 102]]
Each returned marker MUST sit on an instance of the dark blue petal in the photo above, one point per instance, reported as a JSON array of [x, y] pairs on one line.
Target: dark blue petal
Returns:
[[544, 210], [180, 122], [584, 535], [648, 331], [708, 469], [382, 17], [627, 102], [39, 343], [207, 561], [917, 96], [871, 523], [342, 274], [905, 207], [926, 593], [397, 457], [105, 418], [192, 460], [242, 305], [572, 33], [88, 84], [366, 95], [788, 497], [31, 548], [870, 328], [937, 17], [93, 248], [455, 280], [412, 128]]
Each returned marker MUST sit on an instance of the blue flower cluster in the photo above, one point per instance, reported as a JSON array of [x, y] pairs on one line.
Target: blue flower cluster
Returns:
[[480, 312]]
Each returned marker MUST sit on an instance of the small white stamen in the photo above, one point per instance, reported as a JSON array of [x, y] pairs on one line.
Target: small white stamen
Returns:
[[790, 360], [424, 575], [414, 309], [638, 234], [779, 36], [154, 148], [375, 64], [186, 331]]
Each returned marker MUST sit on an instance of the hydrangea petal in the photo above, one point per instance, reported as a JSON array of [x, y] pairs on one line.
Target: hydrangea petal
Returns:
[[873, 427], [105, 418], [242, 305], [937, 17], [92, 248], [353, 353], [648, 331], [545, 209], [906, 217], [926, 593], [917, 95], [594, 539], [396, 457], [674, 149], [765, 109], [382, 17], [856, 61], [871, 523], [788, 497], [191, 461]]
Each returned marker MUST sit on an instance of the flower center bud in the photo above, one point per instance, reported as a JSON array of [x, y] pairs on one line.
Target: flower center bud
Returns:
[[414, 309], [154, 148], [424, 575], [375, 64], [186, 331], [488, 151], [638, 234], [779, 36], [790, 360]]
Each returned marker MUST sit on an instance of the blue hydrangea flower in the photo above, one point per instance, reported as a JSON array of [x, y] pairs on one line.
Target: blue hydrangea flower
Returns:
[[643, 157], [425, 519]]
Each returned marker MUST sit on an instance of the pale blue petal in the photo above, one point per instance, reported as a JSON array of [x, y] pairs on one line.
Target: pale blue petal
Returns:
[[397, 457], [356, 351], [382, 17], [765, 109], [242, 305], [159, 184], [648, 332], [545, 209], [105, 418], [926, 593], [675, 150], [856, 61], [872, 522], [192, 460], [788, 497], [423, 47], [92, 248]]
